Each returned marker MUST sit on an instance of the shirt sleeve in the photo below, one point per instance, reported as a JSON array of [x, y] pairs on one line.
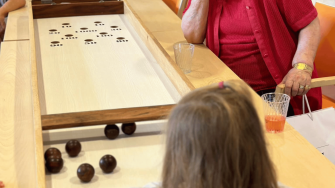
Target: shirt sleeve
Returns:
[[297, 13], [188, 6]]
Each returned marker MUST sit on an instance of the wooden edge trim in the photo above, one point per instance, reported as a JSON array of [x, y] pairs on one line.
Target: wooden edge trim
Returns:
[[316, 82], [174, 73], [320, 82], [37, 2], [280, 88], [39, 153], [125, 115], [77, 9]]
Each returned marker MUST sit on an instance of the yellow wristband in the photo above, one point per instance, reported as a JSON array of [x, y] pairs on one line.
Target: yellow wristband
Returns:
[[303, 66]]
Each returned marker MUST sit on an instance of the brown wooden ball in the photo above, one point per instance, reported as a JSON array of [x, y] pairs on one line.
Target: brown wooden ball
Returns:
[[85, 172], [107, 163], [73, 148], [112, 131], [52, 152], [128, 128], [54, 164]]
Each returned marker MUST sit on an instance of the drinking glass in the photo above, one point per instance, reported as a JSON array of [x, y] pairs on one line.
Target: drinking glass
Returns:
[[183, 53], [275, 110]]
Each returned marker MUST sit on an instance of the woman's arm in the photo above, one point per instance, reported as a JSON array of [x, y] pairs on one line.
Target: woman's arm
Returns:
[[5, 9], [10, 6], [308, 42], [194, 21]]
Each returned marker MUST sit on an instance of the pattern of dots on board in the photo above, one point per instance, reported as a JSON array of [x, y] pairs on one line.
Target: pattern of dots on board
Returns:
[[66, 25], [90, 41], [86, 30], [104, 34], [121, 39], [115, 28], [98, 23], [69, 36], [53, 31], [55, 44]]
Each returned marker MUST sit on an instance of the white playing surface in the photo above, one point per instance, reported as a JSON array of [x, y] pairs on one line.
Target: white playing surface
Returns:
[[139, 156], [105, 73]]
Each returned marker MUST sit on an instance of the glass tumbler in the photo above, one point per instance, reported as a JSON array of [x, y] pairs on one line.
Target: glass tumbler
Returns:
[[275, 110], [183, 53]]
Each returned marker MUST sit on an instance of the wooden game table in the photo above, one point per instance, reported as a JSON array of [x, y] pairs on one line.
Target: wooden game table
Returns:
[[22, 143]]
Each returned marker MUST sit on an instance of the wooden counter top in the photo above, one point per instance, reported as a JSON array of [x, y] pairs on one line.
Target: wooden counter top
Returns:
[[298, 163]]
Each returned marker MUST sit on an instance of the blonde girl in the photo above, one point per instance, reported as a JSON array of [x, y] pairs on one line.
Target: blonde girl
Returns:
[[214, 139]]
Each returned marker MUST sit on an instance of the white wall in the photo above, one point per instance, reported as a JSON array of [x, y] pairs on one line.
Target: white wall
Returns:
[[326, 2]]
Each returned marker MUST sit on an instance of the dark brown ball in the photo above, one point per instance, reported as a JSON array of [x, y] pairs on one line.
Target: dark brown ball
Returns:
[[52, 152], [112, 131], [54, 164], [85, 172], [107, 163], [128, 128], [73, 148]]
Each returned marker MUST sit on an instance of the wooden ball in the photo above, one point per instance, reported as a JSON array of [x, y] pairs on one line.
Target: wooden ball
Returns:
[[73, 148], [107, 163], [52, 152], [85, 172], [112, 131], [128, 128], [54, 164]]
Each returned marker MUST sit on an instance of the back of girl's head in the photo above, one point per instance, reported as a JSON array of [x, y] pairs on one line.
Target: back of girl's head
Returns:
[[215, 140]]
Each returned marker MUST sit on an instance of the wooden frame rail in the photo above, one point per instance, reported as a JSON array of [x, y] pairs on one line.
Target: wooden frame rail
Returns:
[[77, 9], [38, 2], [317, 82], [126, 115]]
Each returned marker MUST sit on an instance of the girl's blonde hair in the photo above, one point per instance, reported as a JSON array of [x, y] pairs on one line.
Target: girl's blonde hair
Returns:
[[214, 139]]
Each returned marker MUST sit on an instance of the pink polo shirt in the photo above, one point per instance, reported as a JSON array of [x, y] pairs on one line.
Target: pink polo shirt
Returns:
[[275, 25]]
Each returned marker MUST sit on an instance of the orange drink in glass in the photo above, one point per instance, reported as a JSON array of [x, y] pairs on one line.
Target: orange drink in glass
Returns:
[[275, 110], [274, 123]]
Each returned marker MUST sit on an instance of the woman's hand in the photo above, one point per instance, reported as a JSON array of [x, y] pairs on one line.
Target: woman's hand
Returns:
[[2, 185], [297, 82]]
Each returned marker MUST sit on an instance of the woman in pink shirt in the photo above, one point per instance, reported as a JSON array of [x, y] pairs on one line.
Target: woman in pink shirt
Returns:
[[264, 42]]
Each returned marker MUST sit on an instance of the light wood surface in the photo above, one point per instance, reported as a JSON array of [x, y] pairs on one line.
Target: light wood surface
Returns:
[[17, 25], [17, 138], [297, 162], [39, 154], [155, 15], [177, 77], [86, 77]]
